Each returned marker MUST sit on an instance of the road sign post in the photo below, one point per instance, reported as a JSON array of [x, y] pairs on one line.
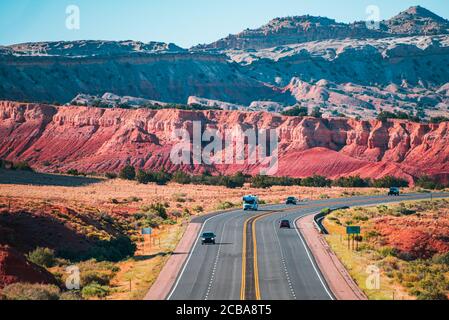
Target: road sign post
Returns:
[[353, 232]]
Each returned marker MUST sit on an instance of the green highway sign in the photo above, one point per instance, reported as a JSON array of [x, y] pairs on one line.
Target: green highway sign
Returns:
[[353, 230]]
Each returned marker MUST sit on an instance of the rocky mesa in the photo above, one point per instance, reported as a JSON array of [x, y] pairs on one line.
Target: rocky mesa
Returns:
[[55, 138]]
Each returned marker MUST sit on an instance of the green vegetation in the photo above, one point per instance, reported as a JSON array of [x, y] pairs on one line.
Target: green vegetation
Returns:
[[226, 205], [22, 166], [418, 273], [111, 175], [389, 182], [128, 173], [351, 182], [264, 182], [386, 115], [427, 182], [30, 292], [316, 113], [113, 250], [439, 119], [43, 257], [95, 290], [296, 111], [192, 107], [316, 181]]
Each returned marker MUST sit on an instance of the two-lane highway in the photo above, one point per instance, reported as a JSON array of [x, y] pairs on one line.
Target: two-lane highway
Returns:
[[255, 259]]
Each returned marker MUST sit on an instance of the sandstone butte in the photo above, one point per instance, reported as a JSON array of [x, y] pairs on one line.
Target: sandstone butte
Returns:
[[88, 139]]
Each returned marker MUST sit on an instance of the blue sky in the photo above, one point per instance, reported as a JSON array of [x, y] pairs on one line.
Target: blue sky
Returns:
[[184, 22]]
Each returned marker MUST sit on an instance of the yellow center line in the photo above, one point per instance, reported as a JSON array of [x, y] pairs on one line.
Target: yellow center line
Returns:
[[243, 287], [254, 238]]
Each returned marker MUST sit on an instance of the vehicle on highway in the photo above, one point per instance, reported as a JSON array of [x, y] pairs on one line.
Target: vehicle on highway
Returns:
[[291, 200], [208, 238], [250, 202], [394, 192], [285, 224]]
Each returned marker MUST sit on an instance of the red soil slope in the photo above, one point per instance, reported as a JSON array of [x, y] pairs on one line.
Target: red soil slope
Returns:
[[15, 268], [100, 140]]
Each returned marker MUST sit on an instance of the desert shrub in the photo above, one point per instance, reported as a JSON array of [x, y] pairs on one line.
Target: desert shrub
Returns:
[[442, 259], [235, 181], [22, 166], [225, 205], [161, 178], [26, 291], [128, 173], [143, 177], [351, 182], [198, 209], [264, 182], [113, 250], [43, 257], [95, 290], [316, 113], [111, 175], [94, 276], [71, 296], [427, 182], [316, 181], [73, 172], [158, 209], [181, 178], [389, 182], [150, 220], [297, 111], [387, 252]]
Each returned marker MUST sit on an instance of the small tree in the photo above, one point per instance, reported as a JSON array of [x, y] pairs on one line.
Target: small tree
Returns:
[[128, 173]]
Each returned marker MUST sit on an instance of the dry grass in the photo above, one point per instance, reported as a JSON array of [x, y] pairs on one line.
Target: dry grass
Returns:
[[127, 197], [394, 271], [103, 193], [139, 273]]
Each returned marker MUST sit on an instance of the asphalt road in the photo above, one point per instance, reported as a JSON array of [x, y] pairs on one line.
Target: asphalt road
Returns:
[[255, 259]]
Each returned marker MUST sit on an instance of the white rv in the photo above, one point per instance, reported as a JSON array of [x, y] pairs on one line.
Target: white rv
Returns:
[[250, 203]]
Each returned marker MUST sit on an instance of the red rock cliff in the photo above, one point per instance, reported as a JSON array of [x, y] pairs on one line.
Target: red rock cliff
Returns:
[[100, 140]]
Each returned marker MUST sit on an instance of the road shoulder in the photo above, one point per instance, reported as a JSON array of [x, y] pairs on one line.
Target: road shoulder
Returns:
[[337, 277], [168, 276]]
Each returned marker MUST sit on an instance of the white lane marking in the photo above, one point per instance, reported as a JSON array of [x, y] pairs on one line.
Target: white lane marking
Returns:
[[310, 257], [212, 279], [190, 256], [292, 291]]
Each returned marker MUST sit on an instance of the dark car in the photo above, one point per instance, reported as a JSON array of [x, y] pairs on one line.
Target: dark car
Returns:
[[208, 238], [291, 200], [394, 192], [285, 224]]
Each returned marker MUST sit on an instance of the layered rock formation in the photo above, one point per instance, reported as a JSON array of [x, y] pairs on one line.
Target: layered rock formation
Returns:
[[408, 53], [101, 140], [299, 29]]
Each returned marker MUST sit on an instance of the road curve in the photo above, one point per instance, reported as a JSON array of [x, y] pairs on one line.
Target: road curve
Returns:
[[254, 259]]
